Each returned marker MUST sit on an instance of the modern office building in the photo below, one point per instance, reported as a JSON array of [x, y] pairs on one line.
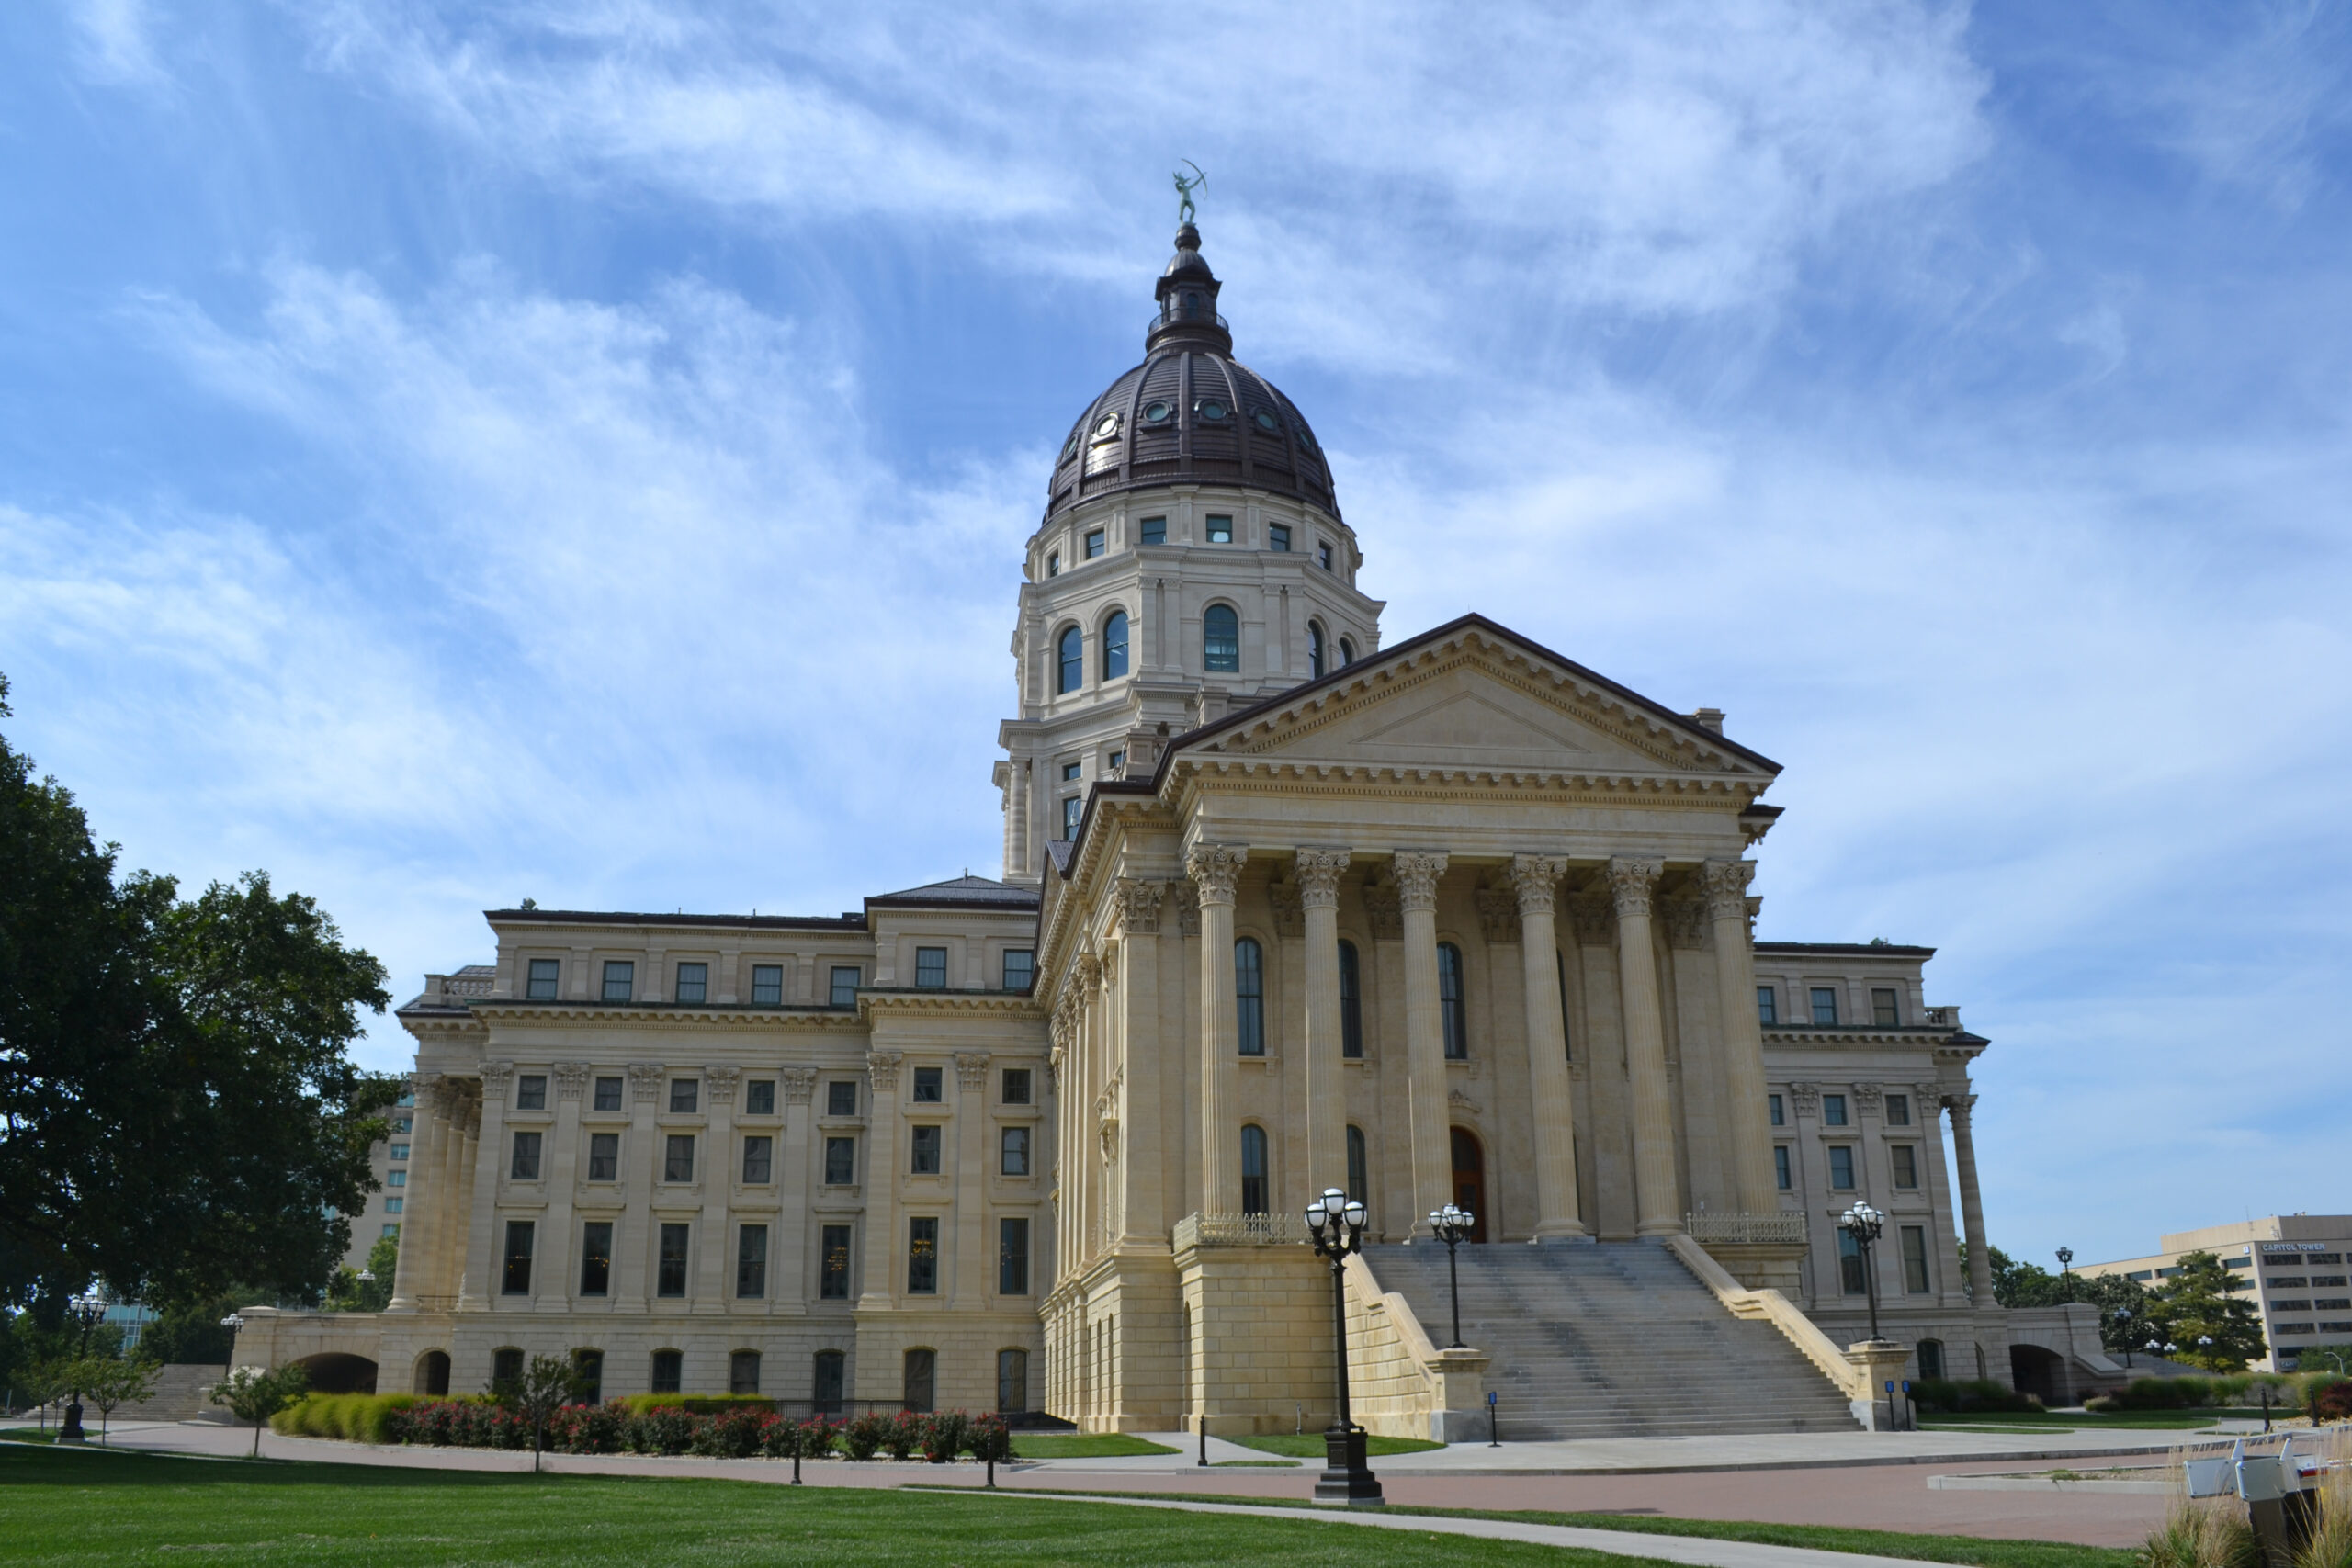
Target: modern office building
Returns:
[[2295, 1265]]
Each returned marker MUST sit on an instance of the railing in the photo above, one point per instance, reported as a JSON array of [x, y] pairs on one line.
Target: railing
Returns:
[[1236, 1230], [1779, 1230], [1184, 319]]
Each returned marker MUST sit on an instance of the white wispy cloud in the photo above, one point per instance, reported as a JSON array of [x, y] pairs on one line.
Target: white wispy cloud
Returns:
[[114, 43]]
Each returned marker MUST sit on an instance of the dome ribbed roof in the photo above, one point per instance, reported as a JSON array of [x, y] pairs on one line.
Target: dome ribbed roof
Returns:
[[1190, 413]]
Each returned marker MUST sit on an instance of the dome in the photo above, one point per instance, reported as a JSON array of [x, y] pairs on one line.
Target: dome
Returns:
[[1190, 413]]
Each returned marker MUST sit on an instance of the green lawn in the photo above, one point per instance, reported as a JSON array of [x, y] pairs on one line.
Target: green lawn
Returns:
[[1082, 1444], [1310, 1445], [76, 1508]]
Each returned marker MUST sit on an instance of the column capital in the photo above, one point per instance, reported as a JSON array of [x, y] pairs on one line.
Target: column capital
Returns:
[[1320, 870], [1959, 1105], [971, 1069], [1087, 970], [496, 1076], [1416, 875], [882, 1067], [722, 1082], [645, 1080], [1725, 882], [1214, 868], [1536, 879], [1630, 882], [571, 1079], [1139, 905], [799, 1085]]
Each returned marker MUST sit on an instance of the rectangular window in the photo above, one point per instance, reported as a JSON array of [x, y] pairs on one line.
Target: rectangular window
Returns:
[[929, 1085], [743, 1373], [1906, 1160], [1898, 1110], [505, 1369], [1155, 531], [1073, 810], [840, 1162], [841, 1098], [685, 1096], [1011, 1258], [1013, 1152], [756, 1160], [1112, 763], [1849, 1265], [1449, 1006], [1094, 542], [531, 1092], [670, 1274], [403, 1125], [1768, 1005], [1249, 999], [525, 1164], [608, 1094], [833, 1264], [930, 968], [1777, 1110], [398, 1151], [920, 1370], [1020, 968], [843, 993], [767, 985], [1070, 772], [759, 1098], [1825, 1005], [396, 1178], [393, 1206], [1915, 1260], [546, 974], [1841, 1167], [620, 980], [1782, 1175], [596, 1258], [1323, 554], [669, 1371], [678, 1161], [750, 1266], [923, 1144], [1053, 563], [1350, 1003], [1884, 1012], [1220, 530], [694, 984], [1278, 536], [388, 1230], [1833, 1111], [603, 1157], [517, 1281], [923, 1256], [1015, 1087]]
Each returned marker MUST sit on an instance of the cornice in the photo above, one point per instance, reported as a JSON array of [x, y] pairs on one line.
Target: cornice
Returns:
[[1244, 775], [1839, 1035], [1005, 1004], [646, 1016]]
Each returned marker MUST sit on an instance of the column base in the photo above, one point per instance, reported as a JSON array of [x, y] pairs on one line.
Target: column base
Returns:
[[1559, 1236], [1658, 1227]]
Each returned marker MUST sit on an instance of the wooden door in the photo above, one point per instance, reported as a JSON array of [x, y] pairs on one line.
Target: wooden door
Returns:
[[1470, 1180]]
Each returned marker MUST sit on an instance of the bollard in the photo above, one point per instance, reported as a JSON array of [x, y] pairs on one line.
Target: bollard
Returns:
[[1493, 1435]]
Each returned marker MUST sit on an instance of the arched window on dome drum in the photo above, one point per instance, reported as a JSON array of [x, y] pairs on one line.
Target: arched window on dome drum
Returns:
[[1315, 651], [1073, 660], [1449, 998], [1359, 1167], [1347, 653], [1253, 1170], [1351, 1001], [1250, 997], [1114, 646], [1221, 640]]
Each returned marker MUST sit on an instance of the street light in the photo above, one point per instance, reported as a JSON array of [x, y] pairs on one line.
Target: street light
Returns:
[[233, 1322], [1452, 1225], [2065, 1258], [2123, 1320], [86, 1310], [1863, 1224], [1335, 1221], [2205, 1347]]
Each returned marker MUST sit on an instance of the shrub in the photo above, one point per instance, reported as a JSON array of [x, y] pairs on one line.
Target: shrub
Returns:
[[2208, 1532], [694, 1403], [863, 1435], [352, 1417], [818, 1437], [735, 1435], [904, 1434], [944, 1434], [2332, 1400], [783, 1438], [2101, 1403], [665, 1429], [990, 1438]]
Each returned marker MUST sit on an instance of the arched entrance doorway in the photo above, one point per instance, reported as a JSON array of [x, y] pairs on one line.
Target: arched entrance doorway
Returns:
[[334, 1372], [432, 1374], [1470, 1180], [2035, 1370]]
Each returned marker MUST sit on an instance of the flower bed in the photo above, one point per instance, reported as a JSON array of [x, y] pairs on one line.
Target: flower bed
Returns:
[[746, 1431]]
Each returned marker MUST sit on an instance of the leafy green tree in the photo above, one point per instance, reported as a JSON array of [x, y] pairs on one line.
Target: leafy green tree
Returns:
[[110, 1381], [546, 1385], [349, 1292], [2198, 1304], [252, 1395], [178, 1108]]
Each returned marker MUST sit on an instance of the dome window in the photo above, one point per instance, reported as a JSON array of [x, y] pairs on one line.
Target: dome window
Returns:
[[1069, 448], [1073, 659], [1212, 412], [1114, 647], [1107, 427], [1221, 640], [1158, 412], [1269, 423]]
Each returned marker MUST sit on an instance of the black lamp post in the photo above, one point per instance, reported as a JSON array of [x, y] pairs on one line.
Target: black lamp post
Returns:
[[2123, 1331], [233, 1322], [1336, 1223], [85, 1310], [1452, 1225], [1863, 1224], [2065, 1258]]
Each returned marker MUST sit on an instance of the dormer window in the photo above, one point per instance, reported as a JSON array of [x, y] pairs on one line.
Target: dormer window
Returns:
[[1268, 423], [1158, 412], [1107, 427], [1212, 410]]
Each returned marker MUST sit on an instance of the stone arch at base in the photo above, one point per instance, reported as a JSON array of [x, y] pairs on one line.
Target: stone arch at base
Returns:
[[338, 1371], [432, 1375], [2035, 1370]]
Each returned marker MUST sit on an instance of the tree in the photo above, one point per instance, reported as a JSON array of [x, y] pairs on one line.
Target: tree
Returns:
[[2197, 1305], [107, 1381], [254, 1396], [178, 1108], [39, 1382], [349, 1292], [546, 1385]]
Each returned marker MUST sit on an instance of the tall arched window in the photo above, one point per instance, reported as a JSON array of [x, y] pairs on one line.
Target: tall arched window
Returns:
[[1313, 650], [1347, 652], [1073, 658], [1253, 1170], [1449, 998], [1249, 997], [1221, 640], [1351, 1001], [1114, 646], [1359, 1167], [1012, 1380]]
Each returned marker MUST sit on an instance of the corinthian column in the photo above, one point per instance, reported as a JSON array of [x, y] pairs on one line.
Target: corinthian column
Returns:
[[1658, 1202], [1327, 1090], [1972, 1205], [422, 1204], [1214, 869], [1537, 880], [1751, 1139], [1432, 1120]]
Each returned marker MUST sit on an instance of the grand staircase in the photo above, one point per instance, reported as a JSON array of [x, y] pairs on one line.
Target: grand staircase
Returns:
[[1611, 1340]]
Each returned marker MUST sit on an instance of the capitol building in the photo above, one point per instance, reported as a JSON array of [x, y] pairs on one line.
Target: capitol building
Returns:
[[1284, 906]]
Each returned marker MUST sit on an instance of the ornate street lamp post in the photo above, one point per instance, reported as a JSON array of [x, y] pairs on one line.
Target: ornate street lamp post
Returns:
[[86, 1310], [233, 1322], [1863, 1224], [2065, 1258], [1452, 1225], [1336, 1223], [2123, 1330]]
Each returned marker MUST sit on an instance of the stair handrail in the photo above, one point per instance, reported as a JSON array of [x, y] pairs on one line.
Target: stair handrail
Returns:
[[1781, 1312]]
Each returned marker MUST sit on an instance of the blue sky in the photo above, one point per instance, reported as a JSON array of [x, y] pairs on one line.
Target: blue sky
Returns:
[[582, 452]]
